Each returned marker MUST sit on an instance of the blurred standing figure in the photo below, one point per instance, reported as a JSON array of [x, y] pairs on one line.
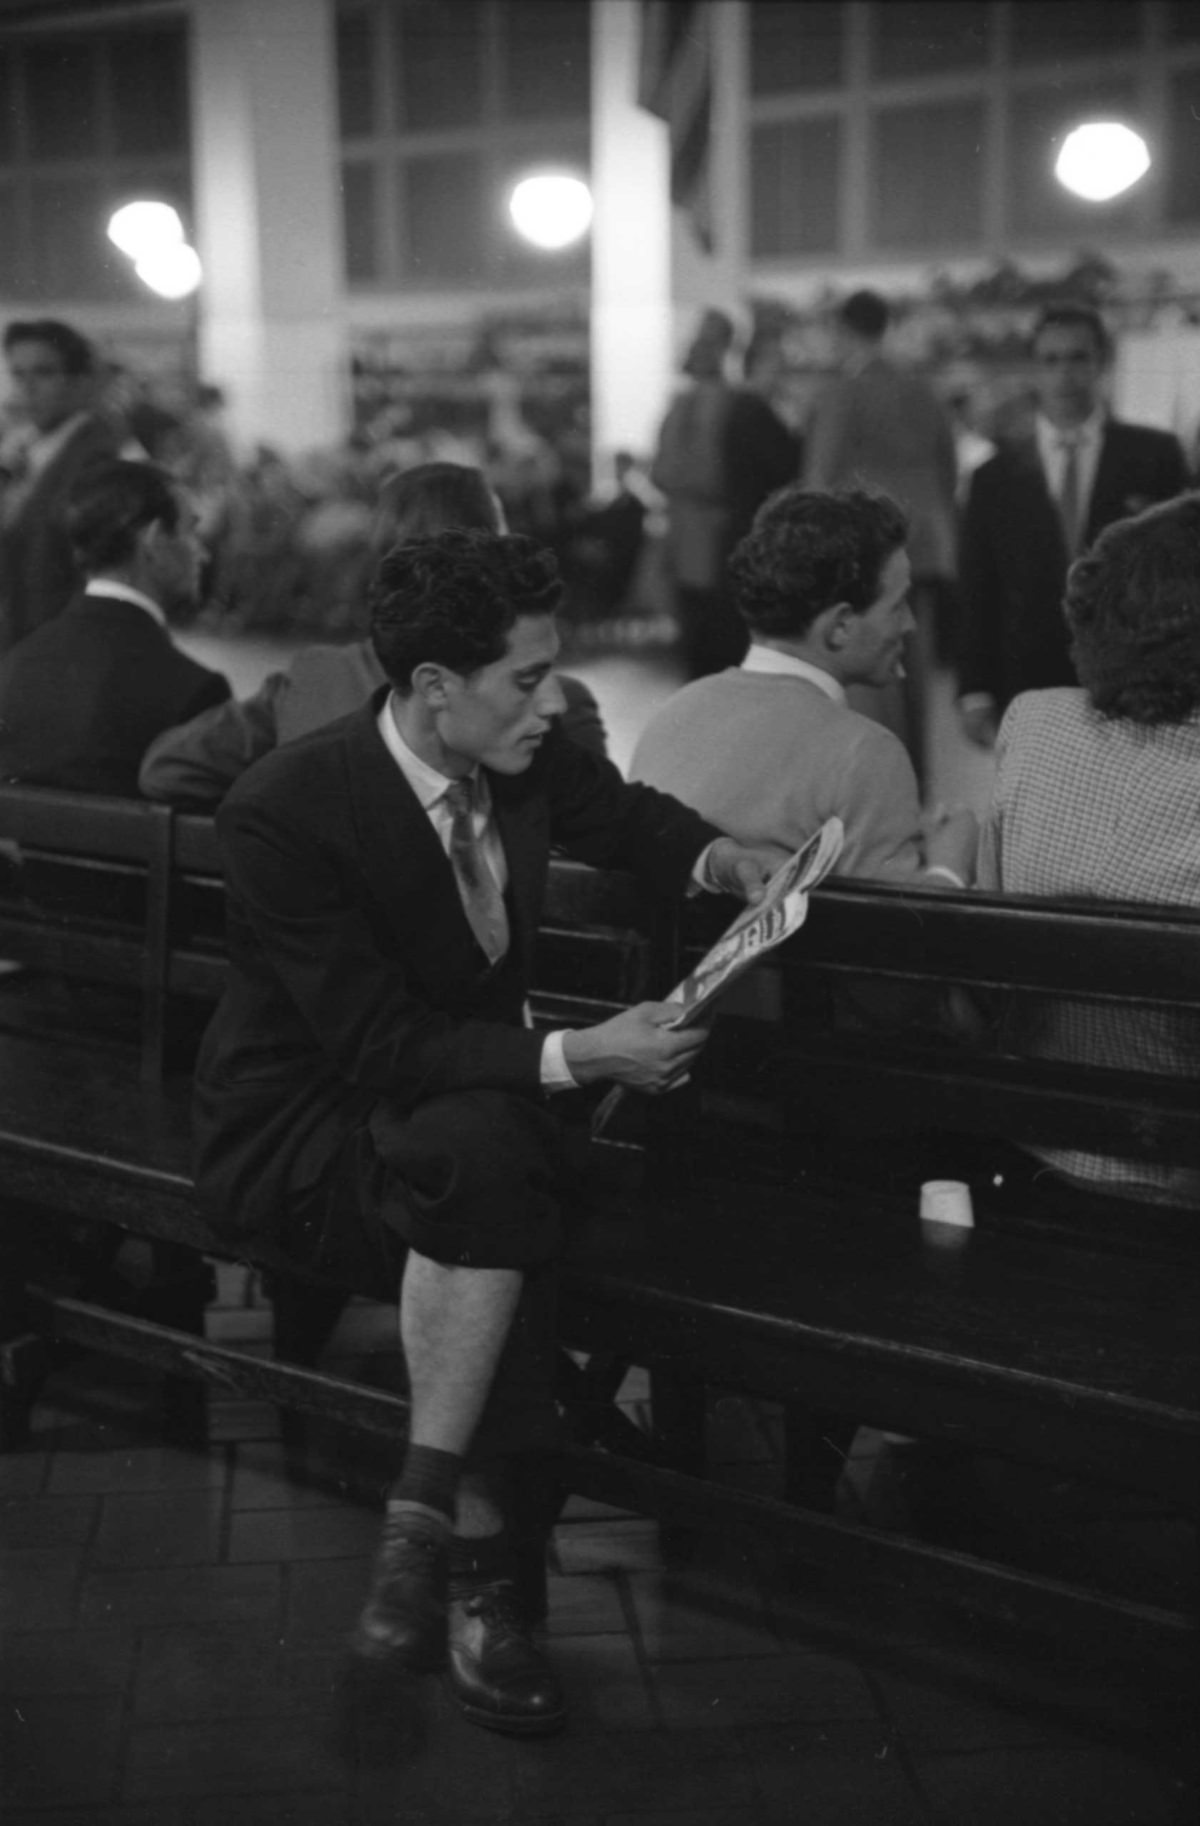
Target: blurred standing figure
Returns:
[[1036, 505], [721, 451], [879, 426], [82, 697], [53, 370]]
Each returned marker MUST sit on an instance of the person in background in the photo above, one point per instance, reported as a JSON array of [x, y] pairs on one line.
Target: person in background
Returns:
[[195, 765], [82, 697], [53, 371], [880, 426], [1095, 797], [721, 451], [1034, 506], [769, 750]]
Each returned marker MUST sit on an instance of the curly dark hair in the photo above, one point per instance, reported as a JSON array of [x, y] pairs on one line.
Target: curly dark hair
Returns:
[[111, 505], [808, 550], [454, 597], [1133, 608]]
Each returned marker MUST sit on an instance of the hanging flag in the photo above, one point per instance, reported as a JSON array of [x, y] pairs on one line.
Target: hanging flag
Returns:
[[675, 82]]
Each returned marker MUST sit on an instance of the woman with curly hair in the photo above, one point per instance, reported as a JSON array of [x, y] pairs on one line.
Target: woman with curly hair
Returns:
[[1098, 794]]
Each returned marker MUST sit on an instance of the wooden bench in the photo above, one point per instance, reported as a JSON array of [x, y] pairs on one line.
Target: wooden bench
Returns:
[[726, 1245]]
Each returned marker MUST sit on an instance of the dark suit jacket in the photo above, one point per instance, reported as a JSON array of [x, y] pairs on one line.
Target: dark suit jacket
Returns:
[[82, 698], [355, 974], [38, 573], [1014, 560]]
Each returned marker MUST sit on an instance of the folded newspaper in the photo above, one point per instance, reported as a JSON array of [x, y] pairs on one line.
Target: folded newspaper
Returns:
[[756, 931]]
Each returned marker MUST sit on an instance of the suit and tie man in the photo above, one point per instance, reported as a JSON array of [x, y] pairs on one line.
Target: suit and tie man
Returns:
[[1035, 505], [82, 697], [369, 1093], [53, 371]]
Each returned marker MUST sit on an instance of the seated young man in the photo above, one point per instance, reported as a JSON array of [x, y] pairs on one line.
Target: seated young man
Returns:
[[769, 749], [368, 1092]]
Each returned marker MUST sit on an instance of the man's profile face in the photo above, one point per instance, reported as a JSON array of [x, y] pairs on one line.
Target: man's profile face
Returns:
[[1070, 369], [499, 714], [875, 650], [46, 393]]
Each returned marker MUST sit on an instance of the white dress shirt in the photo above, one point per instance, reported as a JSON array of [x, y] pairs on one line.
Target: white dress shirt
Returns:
[[124, 592], [1051, 447], [430, 786]]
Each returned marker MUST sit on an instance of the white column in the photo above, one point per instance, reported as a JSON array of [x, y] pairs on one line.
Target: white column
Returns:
[[265, 170], [631, 344]]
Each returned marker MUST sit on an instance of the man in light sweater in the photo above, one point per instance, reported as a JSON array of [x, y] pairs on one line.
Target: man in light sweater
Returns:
[[768, 750]]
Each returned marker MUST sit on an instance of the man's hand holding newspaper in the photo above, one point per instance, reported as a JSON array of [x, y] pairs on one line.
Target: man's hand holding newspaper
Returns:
[[774, 915]]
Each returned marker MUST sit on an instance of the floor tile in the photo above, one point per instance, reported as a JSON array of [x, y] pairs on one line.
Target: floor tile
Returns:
[[161, 1814], [261, 1481], [59, 1752], [935, 1718], [604, 1682], [182, 1594], [158, 1528], [38, 1590], [779, 1689], [46, 1522], [194, 1675], [443, 1772], [46, 1663], [1050, 1786], [232, 1756], [148, 1468], [680, 1770], [334, 1532], [584, 1604], [328, 1809], [840, 1774], [679, 1620], [323, 1597]]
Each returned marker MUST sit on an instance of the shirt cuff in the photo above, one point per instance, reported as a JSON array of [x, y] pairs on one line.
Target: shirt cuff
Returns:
[[555, 1072], [947, 874]]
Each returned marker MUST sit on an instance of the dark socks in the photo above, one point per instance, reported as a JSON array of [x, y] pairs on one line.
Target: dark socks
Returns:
[[429, 1482]]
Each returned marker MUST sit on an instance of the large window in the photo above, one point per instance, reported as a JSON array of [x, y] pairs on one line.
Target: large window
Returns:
[[442, 105], [86, 122]]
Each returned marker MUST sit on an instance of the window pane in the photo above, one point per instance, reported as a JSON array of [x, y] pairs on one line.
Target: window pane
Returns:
[[148, 72], [356, 71], [439, 63], [359, 222], [927, 164], [1039, 120], [1183, 21], [547, 59], [60, 90], [71, 256], [914, 39], [1183, 147], [1051, 30], [445, 230], [794, 173], [794, 47]]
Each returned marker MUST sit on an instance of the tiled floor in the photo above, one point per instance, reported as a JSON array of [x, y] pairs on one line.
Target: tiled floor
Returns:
[[174, 1656]]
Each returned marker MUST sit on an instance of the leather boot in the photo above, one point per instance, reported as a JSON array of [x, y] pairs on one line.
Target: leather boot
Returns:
[[498, 1675], [404, 1618]]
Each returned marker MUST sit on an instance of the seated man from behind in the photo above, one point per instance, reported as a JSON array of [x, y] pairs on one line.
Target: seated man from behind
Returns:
[[769, 749], [83, 696], [369, 1093], [196, 764]]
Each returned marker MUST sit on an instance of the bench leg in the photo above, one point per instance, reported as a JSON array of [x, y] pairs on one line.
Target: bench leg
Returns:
[[182, 1287], [306, 1317]]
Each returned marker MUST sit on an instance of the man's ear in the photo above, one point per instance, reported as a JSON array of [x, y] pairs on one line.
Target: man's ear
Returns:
[[835, 625], [431, 683]]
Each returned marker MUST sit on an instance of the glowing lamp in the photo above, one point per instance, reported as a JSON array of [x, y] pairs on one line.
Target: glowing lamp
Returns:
[[1101, 159], [551, 208], [138, 228], [171, 271]]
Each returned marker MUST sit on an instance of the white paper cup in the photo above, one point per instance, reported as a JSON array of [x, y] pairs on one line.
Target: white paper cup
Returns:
[[947, 1201]]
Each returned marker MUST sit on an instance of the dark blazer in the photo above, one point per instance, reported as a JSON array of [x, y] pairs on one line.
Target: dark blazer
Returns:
[[38, 572], [1014, 559], [82, 698], [355, 975]]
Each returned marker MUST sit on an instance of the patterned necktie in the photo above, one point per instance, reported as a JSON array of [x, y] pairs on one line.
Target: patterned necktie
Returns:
[[1070, 506], [482, 900]]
